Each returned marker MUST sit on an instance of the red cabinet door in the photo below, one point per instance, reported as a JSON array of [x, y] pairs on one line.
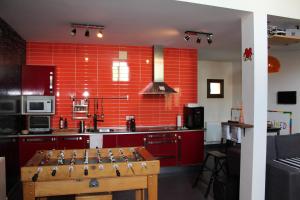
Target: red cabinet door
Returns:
[[190, 147], [109, 141], [72, 142], [130, 140], [163, 146], [29, 145], [38, 80]]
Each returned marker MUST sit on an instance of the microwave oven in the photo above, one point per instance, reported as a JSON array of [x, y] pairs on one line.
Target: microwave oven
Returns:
[[10, 105], [39, 123], [39, 105]]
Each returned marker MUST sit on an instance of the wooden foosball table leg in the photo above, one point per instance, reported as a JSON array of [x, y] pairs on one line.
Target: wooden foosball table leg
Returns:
[[28, 191], [152, 187], [140, 195]]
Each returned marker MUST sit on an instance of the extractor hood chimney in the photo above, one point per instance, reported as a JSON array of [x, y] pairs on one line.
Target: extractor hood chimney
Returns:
[[158, 86]]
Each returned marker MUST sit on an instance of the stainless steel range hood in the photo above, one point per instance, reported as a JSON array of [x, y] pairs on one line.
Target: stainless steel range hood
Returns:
[[158, 86]]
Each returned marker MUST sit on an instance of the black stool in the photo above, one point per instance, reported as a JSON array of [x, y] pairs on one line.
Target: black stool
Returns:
[[219, 163]]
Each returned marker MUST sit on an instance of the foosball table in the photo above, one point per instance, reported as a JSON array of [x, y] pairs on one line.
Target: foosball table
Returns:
[[90, 172]]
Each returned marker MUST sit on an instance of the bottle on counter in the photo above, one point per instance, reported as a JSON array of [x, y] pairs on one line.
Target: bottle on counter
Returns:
[[61, 122], [65, 123]]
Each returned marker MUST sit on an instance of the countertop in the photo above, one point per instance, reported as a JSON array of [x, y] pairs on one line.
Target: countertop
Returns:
[[109, 131]]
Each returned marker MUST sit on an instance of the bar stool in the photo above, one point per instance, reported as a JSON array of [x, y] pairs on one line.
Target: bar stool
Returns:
[[219, 164]]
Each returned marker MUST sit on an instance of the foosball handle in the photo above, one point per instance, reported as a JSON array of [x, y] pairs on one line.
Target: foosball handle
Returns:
[[86, 172], [118, 172], [53, 172], [35, 177]]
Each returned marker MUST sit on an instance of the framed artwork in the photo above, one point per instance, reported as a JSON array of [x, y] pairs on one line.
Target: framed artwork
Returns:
[[215, 88]]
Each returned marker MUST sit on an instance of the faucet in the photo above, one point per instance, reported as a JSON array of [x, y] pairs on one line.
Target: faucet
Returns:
[[96, 120]]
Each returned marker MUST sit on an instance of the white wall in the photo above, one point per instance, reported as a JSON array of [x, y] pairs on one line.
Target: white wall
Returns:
[[236, 84], [287, 79], [218, 110], [287, 8]]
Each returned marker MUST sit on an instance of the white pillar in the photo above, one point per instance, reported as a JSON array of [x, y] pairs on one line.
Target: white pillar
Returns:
[[254, 94]]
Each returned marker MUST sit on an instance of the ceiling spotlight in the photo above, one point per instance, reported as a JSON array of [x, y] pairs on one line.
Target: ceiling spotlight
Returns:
[[209, 39], [186, 37], [198, 40], [88, 28], [87, 33], [73, 32], [189, 34], [99, 34]]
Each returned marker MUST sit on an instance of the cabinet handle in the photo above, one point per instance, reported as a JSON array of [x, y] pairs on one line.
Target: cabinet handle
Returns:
[[6, 140], [179, 148], [72, 138], [162, 142], [51, 82], [145, 142], [38, 139]]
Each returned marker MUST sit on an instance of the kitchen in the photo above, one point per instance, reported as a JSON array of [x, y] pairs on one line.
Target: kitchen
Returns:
[[99, 82], [64, 76]]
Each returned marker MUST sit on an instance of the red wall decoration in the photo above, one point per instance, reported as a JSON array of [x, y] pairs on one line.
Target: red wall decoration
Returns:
[[75, 75]]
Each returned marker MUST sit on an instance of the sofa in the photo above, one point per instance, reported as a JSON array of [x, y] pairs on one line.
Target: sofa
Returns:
[[282, 180], [283, 176]]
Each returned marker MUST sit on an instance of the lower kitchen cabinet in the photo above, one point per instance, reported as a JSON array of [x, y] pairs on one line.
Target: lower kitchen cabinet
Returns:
[[163, 146], [72, 142], [29, 145], [130, 140], [190, 147], [9, 150], [109, 141]]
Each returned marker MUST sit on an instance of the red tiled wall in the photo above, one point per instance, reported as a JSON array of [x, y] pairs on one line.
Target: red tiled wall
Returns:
[[75, 75]]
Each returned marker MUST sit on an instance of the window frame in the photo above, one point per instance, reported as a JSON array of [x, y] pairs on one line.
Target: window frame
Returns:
[[221, 82], [118, 69]]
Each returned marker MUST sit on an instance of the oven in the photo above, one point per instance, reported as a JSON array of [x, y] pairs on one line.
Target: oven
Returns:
[[163, 146], [39, 124]]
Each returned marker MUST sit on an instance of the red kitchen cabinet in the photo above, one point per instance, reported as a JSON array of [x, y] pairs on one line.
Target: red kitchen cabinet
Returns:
[[29, 145], [72, 142], [163, 146], [130, 140], [109, 141], [38, 80], [190, 147]]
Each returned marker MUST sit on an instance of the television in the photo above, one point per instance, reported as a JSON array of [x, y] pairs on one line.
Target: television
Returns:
[[286, 97]]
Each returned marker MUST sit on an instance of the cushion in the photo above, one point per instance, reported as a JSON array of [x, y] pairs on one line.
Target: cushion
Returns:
[[288, 146]]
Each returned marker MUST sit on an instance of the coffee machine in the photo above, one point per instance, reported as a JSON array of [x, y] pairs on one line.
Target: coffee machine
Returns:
[[193, 116]]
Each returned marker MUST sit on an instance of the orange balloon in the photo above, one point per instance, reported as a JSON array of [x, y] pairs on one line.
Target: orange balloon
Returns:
[[273, 64]]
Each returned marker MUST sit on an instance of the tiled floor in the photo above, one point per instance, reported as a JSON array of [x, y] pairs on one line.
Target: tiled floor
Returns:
[[174, 184]]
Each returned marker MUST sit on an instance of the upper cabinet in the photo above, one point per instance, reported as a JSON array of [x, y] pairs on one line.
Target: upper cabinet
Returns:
[[38, 80]]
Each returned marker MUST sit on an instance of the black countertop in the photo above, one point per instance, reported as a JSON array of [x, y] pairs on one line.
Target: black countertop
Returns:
[[111, 131]]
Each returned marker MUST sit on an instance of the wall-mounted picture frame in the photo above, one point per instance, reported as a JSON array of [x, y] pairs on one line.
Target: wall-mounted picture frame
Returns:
[[215, 88]]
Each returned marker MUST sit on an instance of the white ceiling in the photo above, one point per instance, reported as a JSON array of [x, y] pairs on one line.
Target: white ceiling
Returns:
[[128, 22]]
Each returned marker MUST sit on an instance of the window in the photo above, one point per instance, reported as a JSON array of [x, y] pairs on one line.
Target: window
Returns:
[[120, 71], [215, 88]]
